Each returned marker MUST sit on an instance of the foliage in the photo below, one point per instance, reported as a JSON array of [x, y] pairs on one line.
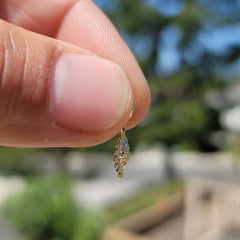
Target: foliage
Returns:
[[25, 161], [12, 160], [46, 210], [90, 225], [194, 65]]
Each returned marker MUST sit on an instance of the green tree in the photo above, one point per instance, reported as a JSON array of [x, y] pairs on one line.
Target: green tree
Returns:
[[172, 42]]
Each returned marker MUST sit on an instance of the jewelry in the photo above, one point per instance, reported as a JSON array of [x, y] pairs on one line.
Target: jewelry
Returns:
[[122, 152]]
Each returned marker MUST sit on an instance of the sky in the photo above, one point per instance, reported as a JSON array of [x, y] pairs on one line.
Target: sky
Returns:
[[214, 37]]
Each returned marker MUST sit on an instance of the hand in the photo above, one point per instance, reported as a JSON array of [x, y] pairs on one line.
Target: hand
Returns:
[[67, 79]]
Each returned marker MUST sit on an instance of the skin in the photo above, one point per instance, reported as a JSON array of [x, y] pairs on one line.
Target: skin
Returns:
[[31, 39]]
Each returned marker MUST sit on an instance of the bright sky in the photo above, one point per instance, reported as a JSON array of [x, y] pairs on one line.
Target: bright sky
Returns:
[[214, 38]]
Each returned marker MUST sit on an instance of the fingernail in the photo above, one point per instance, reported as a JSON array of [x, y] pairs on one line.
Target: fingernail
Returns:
[[87, 93]]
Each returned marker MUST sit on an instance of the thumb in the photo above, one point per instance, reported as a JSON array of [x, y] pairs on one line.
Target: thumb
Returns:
[[55, 94]]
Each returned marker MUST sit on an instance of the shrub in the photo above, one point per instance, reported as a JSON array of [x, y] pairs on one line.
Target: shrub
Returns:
[[46, 210]]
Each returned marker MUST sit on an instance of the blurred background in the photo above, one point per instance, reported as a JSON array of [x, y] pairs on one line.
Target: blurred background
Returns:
[[182, 180]]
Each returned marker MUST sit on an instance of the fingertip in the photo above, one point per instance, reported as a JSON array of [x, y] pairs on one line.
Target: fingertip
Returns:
[[86, 26]]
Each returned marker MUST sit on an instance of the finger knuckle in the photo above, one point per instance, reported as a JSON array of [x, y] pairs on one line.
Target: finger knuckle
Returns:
[[3, 33], [23, 72], [11, 74], [6, 47]]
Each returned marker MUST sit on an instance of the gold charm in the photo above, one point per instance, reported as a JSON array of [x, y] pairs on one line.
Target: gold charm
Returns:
[[122, 152]]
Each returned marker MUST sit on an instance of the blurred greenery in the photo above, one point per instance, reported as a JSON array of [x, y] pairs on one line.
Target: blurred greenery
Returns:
[[12, 160], [194, 64], [46, 210], [23, 161]]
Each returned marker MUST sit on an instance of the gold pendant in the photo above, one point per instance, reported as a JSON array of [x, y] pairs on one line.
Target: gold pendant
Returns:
[[122, 151]]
